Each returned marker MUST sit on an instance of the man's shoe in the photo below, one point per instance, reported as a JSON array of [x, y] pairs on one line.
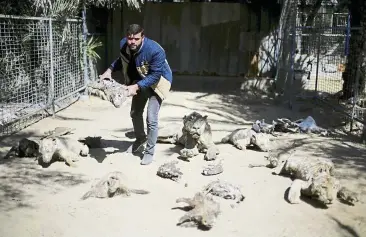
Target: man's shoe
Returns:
[[147, 159], [137, 145]]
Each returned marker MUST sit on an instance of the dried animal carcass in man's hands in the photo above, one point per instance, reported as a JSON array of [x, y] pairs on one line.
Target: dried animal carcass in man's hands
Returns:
[[110, 90]]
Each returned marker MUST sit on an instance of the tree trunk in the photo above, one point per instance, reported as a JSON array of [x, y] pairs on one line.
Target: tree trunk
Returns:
[[356, 55]]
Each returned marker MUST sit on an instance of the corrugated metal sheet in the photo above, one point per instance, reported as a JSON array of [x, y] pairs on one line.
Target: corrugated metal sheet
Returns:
[[202, 38]]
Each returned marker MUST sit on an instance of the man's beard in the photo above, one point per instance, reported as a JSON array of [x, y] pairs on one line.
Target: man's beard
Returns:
[[136, 49]]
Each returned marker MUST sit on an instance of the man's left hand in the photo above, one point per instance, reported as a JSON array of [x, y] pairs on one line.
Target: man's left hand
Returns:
[[132, 89]]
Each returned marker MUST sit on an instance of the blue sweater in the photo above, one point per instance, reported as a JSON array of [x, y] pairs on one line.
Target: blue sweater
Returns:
[[150, 62]]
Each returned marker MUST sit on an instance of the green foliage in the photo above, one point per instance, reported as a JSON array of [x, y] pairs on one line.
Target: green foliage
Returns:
[[59, 8], [63, 34], [19, 7], [111, 4], [91, 45]]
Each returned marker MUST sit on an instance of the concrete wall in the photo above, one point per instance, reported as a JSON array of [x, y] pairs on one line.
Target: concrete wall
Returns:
[[202, 38]]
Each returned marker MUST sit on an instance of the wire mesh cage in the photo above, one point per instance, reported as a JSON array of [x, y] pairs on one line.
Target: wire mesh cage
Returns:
[[29, 82], [316, 54], [67, 58], [320, 53]]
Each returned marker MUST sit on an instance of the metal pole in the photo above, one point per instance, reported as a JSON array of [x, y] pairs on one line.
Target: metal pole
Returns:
[[355, 97], [85, 59], [292, 59], [317, 65], [356, 86], [52, 80], [347, 35], [346, 51], [280, 36]]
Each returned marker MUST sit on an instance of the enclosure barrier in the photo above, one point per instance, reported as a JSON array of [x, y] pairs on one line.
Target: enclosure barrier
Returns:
[[41, 68], [314, 57]]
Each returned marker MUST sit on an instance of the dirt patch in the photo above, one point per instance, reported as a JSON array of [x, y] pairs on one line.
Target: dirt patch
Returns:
[[46, 201]]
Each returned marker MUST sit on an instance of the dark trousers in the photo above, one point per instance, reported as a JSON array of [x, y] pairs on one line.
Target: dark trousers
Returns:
[[137, 110]]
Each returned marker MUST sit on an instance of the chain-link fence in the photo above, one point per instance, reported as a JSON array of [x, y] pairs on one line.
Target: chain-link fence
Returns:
[[320, 54], [315, 58], [40, 68]]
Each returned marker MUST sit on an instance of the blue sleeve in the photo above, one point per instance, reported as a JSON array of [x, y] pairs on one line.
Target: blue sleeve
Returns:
[[156, 66], [117, 64]]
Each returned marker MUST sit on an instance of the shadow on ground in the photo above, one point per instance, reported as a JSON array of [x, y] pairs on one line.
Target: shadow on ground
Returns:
[[206, 85], [109, 147], [349, 158], [9, 141], [61, 117], [248, 100], [347, 229], [21, 178], [241, 102], [235, 95]]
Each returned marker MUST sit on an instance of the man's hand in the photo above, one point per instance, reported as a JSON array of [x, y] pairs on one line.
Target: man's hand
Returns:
[[132, 89], [106, 75]]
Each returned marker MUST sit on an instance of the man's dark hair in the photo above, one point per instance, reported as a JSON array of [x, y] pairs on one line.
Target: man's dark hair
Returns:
[[134, 29]]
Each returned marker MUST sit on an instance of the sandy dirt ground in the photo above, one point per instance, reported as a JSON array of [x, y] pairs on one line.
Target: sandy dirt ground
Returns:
[[37, 201]]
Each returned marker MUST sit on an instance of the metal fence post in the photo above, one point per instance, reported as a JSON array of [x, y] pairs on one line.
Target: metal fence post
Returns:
[[348, 33], [356, 85], [52, 80], [317, 64], [85, 59], [292, 58]]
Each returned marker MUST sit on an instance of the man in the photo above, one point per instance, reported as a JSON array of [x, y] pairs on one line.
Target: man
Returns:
[[148, 77]]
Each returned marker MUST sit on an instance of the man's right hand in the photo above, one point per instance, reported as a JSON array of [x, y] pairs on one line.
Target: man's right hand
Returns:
[[106, 75]]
